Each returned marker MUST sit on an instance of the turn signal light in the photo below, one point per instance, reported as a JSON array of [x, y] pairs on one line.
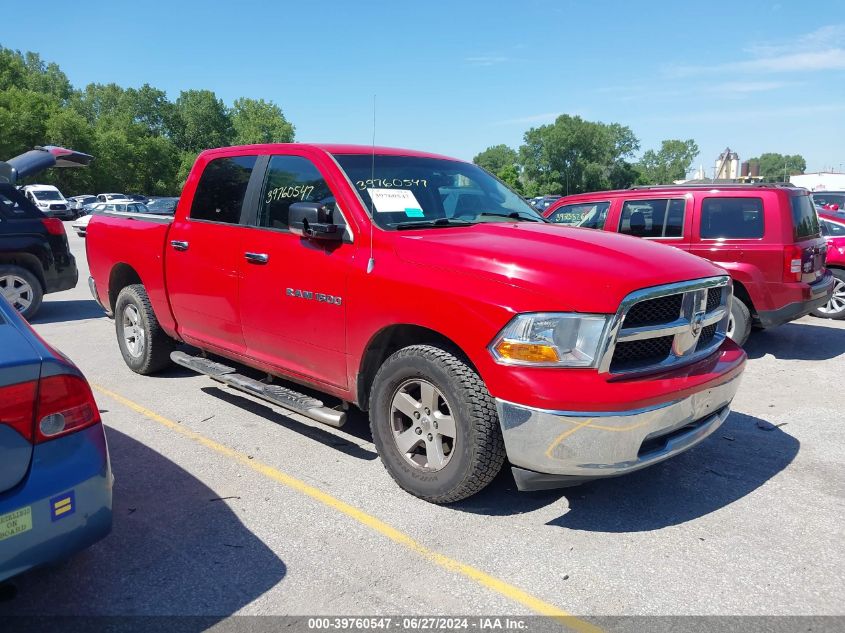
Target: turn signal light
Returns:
[[527, 352], [65, 405]]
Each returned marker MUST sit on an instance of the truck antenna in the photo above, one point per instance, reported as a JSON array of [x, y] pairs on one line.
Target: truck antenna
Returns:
[[372, 262]]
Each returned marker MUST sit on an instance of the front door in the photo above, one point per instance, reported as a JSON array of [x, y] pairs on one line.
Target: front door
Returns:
[[293, 289], [203, 255]]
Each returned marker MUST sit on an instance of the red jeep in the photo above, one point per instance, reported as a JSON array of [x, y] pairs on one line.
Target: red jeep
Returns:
[[766, 236]]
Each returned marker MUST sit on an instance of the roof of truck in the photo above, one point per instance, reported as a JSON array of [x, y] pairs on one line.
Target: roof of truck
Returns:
[[339, 148]]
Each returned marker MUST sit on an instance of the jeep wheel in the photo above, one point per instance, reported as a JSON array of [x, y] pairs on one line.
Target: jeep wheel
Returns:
[[144, 345], [21, 289], [739, 323], [835, 308], [435, 425]]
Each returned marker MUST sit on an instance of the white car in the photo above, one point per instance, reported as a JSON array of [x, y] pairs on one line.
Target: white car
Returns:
[[119, 206], [49, 201]]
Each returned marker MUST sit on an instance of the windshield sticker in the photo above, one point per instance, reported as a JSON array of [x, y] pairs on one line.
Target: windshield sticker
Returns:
[[396, 201], [389, 183]]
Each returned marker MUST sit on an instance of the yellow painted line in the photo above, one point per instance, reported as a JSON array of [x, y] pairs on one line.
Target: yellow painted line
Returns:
[[486, 580]]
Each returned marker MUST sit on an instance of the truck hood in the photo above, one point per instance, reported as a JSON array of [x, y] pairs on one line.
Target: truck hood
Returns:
[[583, 270]]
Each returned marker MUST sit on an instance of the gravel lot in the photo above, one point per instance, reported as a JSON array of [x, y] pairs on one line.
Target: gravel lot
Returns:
[[751, 522]]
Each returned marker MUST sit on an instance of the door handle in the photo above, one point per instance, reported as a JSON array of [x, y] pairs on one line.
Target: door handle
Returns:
[[179, 245], [257, 258]]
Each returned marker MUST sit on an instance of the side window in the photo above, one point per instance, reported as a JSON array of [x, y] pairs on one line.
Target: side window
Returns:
[[833, 229], [662, 217], [590, 214], [290, 179], [221, 189], [731, 218]]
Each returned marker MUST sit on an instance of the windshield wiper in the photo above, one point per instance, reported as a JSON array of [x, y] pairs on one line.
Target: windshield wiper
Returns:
[[422, 224], [516, 215]]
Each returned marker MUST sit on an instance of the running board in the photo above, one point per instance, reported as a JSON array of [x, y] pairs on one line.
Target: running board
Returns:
[[281, 396]]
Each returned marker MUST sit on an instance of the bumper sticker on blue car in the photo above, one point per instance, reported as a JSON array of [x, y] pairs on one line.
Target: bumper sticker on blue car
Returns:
[[15, 523], [62, 506]]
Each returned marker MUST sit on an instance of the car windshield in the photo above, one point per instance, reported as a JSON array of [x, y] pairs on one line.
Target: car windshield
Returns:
[[410, 191], [46, 195]]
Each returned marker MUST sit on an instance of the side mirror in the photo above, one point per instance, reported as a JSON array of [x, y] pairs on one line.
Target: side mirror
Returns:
[[313, 220]]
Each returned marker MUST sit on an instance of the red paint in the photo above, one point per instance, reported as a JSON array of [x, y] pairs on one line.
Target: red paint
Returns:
[[463, 283]]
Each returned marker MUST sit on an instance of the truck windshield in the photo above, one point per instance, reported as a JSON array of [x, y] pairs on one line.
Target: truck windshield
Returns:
[[46, 194], [401, 191]]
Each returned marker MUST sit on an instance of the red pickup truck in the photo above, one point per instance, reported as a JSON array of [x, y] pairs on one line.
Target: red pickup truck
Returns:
[[419, 288]]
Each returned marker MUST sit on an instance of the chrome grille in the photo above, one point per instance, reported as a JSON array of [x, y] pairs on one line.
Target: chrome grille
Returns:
[[657, 328]]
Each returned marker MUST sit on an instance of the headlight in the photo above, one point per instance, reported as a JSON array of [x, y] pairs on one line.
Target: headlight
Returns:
[[551, 339]]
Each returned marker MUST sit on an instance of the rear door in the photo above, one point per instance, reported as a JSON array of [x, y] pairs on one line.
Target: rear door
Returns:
[[20, 366], [204, 254], [293, 289], [807, 236]]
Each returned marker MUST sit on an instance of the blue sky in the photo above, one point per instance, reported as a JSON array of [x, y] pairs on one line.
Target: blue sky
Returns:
[[458, 76]]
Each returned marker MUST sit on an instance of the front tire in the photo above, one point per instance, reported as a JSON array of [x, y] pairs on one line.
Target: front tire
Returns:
[[739, 324], [144, 345], [835, 308], [21, 289], [435, 425]]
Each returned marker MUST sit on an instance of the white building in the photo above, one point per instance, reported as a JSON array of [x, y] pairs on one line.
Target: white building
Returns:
[[820, 181]]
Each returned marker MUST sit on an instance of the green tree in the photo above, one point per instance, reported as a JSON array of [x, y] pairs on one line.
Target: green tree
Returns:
[[573, 155], [671, 162], [259, 121], [201, 121], [509, 174], [23, 120], [494, 159], [776, 167]]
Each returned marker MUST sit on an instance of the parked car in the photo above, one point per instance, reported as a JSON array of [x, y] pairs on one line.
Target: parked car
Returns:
[[833, 230], [162, 206], [49, 201], [80, 225], [55, 476], [136, 197], [108, 197], [829, 200], [766, 236], [78, 203], [118, 205], [34, 255], [541, 203], [467, 338]]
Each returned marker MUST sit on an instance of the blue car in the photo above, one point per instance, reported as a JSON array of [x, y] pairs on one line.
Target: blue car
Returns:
[[55, 475]]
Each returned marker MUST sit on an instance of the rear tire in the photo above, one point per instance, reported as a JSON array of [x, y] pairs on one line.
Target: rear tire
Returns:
[[22, 289], [144, 345], [434, 406], [835, 308], [739, 324]]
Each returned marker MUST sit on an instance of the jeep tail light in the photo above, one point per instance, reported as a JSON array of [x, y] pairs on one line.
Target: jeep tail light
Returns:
[[16, 407], [65, 405], [54, 226], [792, 260]]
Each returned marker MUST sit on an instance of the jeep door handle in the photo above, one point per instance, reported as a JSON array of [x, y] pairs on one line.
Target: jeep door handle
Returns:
[[257, 258], [179, 245]]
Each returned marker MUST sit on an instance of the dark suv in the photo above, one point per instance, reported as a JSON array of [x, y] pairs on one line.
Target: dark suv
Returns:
[[35, 258], [766, 236]]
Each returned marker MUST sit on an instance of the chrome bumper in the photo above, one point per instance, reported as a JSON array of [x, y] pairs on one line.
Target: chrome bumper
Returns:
[[590, 445]]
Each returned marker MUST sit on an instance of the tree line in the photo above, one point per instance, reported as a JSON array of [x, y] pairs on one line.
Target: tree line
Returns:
[[141, 141], [573, 155]]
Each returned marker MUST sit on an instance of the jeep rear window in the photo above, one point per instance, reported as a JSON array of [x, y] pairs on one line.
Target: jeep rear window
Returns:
[[805, 218], [731, 218], [661, 217]]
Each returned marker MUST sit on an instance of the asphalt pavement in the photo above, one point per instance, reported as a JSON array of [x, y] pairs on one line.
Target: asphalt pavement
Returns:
[[226, 505]]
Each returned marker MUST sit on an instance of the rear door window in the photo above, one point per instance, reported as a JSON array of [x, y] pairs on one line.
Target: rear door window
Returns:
[[833, 229], [659, 217], [221, 190], [805, 218], [587, 214], [731, 218]]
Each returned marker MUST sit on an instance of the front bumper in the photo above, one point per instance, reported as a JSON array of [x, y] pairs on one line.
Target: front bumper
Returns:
[[558, 448], [819, 294]]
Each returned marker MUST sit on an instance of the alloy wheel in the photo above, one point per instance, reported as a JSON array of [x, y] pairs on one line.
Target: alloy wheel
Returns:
[[17, 291], [422, 425]]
